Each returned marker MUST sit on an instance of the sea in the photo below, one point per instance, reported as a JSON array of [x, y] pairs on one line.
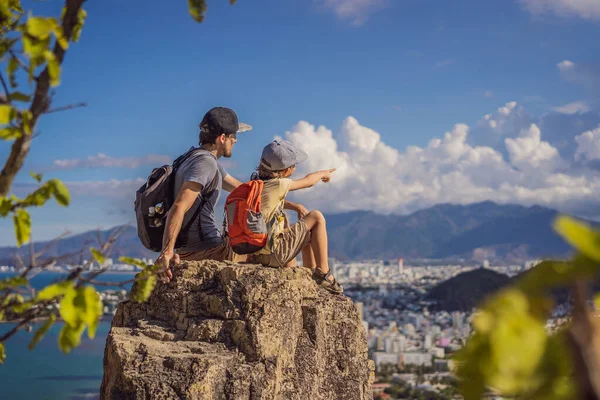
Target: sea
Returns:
[[47, 373]]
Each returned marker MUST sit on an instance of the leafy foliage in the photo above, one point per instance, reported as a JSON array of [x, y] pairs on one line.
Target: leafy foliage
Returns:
[[511, 351], [36, 46]]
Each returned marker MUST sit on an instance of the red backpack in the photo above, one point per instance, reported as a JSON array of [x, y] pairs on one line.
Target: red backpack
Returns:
[[247, 228]]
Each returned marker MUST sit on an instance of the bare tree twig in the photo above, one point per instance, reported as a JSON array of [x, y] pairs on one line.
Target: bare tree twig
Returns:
[[6, 91], [52, 243], [23, 66], [65, 108], [21, 146]]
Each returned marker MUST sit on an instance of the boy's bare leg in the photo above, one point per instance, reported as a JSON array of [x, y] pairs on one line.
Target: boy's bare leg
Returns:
[[315, 222], [308, 257]]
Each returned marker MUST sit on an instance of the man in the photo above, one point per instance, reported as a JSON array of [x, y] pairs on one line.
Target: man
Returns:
[[191, 226]]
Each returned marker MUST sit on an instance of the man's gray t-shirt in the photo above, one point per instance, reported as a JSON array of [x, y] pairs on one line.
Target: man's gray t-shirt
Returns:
[[201, 167]]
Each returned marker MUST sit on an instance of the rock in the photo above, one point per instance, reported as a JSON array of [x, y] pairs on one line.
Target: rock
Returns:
[[231, 331]]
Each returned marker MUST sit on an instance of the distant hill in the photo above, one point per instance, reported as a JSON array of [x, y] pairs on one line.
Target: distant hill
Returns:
[[465, 291], [445, 231], [484, 230]]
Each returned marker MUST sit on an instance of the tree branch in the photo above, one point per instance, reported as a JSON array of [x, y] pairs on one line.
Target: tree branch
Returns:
[[21, 146], [65, 108], [6, 91]]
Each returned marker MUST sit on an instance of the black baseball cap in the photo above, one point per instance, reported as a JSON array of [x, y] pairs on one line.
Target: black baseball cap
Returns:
[[220, 120]]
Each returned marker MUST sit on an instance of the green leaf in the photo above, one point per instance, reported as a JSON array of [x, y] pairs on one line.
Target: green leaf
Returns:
[[22, 223], [27, 119], [34, 48], [82, 306], [54, 290], [41, 332], [14, 298], [37, 177], [39, 197], [70, 337], [579, 235], [2, 353], [93, 310], [60, 37], [53, 67], [13, 282], [18, 96], [7, 114], [144, 286], [5, 206], [133, 261], [40, 27], [60, 191], [98, 256], [197, 9], [81, 16], [19, 308], [10, 133], [13, 65]]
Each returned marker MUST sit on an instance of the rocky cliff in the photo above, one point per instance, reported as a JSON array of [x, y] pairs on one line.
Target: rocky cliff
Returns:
[[228, 331]]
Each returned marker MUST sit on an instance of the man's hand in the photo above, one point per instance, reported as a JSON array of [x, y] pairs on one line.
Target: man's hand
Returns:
[[164, 262], [326, 175]]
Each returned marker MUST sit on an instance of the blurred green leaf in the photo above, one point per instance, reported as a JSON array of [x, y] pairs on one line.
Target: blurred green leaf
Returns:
[[144, 286], [34, 48], [579, 235], [18, 96], [10, 133], [82, 306], [22, 307], [53, 67], [81, 16], [7, 114], [93, 309], [12, 67], [60, 191], [27, 120], [37, 177], [70, 337], [13, 282], [2, 353], [5, 206], [22, 223], [40, 27], [54, 290], [98, 256], [197, 9], [41, 332], [133, 261]]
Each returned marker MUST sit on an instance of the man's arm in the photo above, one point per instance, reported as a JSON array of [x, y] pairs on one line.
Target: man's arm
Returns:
[[185, 199], [230, 183]]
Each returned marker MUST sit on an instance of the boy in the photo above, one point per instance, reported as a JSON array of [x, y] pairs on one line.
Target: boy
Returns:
[[309, 234]]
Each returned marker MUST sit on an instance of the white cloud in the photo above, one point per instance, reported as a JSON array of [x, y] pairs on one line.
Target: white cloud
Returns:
[[575, 107], [104, 161], [355, 11], [588, 145], [373, 175], [587, 75], [529, 153], [586, 9]]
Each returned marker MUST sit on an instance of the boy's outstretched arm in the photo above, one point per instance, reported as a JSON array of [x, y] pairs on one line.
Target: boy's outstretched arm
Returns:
[[230, 183], [311, 180]]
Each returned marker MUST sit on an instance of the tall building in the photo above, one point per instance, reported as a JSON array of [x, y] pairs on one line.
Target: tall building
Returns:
[[361, 311], [401, 265]]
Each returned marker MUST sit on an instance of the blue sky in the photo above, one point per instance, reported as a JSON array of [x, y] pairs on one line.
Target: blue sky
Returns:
[[406, 71]]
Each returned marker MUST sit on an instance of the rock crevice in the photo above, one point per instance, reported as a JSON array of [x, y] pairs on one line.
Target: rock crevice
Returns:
[[229, 331]]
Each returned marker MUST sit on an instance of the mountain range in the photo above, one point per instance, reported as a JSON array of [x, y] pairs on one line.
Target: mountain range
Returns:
[[450, 232]]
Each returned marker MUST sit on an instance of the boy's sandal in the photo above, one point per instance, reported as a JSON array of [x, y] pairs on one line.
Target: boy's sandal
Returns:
[[328, 282]]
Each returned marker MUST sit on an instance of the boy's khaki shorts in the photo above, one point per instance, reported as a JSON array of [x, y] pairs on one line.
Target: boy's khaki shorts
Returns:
[[223, 252], [287, 246]]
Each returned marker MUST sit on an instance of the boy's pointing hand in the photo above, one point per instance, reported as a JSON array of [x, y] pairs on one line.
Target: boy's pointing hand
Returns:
[[327, 175]]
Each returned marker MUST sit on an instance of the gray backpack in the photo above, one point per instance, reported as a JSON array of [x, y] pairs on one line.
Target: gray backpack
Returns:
[[153, 201]]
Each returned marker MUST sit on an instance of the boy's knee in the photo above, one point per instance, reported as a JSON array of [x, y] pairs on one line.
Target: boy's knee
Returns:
[[318, 216]]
